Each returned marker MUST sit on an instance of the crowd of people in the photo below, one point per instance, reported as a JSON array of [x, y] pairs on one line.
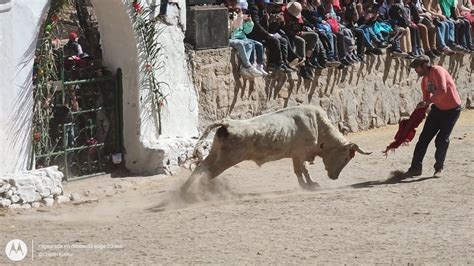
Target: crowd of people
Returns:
[[306, 35]]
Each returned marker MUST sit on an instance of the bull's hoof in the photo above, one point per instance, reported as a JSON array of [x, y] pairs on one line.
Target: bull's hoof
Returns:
[[309, 186], [312, 186]]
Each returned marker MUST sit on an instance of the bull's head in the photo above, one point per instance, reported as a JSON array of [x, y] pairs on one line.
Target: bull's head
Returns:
[[336, 158]]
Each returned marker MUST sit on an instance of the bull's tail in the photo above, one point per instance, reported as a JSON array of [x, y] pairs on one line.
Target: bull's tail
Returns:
[[198, 149]]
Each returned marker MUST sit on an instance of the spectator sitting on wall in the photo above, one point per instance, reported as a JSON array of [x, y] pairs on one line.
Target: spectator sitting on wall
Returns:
[[273, 22], [304, 41], [258, 50], [398, 32], [400, 17], [415, 38], [462, 26], [343, 40], [259, 33], [240, 25], [364, 21], [322, 28], [445, 28], [424, 21], [466, 9], [275, 28]]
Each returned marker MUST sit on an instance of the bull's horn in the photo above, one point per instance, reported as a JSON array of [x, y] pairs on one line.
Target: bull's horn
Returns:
[[359, 150]]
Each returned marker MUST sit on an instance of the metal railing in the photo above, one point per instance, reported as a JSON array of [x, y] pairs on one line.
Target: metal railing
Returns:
[[85, 128]]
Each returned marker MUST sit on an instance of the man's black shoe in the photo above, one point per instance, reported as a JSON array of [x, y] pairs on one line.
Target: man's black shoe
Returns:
[[286, 68], [304, 73], [345, 62], [377, 51], [437, 52], [400, 175], [411, 173]]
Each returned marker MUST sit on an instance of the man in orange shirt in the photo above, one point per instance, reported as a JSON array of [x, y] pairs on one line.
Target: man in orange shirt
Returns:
[[439, 90]]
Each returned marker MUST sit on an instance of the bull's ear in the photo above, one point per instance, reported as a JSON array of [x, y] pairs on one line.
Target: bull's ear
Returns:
[[355, 148]]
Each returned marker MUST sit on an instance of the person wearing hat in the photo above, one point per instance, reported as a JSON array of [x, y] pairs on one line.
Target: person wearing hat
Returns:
[[304, 41], [73, 48], [439, 90]]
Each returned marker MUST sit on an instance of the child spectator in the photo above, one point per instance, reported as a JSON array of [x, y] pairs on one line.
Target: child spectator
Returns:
[[427, 29], [74, 56], [398, 32], [73, 48], [369, 30], [345, 38], [314, 17], [400, 17], [415, 38], [239, 27]]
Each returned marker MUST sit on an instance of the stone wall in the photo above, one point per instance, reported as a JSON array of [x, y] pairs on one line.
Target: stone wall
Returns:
[[32, 188], [359, 97]]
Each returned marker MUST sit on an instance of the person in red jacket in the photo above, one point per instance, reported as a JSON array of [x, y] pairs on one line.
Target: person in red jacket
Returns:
[[440, 92]]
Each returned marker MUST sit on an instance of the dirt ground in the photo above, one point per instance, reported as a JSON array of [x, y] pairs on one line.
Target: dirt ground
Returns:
[[261, 216]]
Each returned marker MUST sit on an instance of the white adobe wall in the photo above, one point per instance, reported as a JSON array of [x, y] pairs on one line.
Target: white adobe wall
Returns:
[[147, 152], [19, 28]]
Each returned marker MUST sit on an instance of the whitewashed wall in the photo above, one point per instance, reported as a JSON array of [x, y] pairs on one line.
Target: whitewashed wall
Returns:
[[19, 28], [146, 151]]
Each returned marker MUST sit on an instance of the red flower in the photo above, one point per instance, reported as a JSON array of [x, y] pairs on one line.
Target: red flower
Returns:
[[92, 142], [36, 136], [137, 6], [54, 18]]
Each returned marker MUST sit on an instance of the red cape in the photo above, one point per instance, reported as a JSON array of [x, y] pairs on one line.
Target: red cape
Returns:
[[407, 129]]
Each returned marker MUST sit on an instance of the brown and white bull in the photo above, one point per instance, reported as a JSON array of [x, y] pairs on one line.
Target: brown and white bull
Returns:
[[300, 133]]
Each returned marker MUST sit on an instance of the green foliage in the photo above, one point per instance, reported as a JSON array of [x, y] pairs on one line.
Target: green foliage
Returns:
[[45, 72], [148, 33]]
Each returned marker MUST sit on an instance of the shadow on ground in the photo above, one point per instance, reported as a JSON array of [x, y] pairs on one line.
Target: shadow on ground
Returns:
[[391, 181]]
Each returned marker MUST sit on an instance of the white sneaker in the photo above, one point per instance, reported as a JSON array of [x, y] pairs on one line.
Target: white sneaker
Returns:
[[260, 68], [245, 72], [252, 70]]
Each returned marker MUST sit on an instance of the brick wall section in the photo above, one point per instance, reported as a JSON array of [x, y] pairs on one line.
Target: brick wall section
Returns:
[[356, 98]]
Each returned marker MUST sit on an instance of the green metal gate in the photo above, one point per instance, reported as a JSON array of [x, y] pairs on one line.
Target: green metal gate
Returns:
[[84, 124]]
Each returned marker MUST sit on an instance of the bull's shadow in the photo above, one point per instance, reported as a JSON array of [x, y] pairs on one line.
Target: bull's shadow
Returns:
[[390, 181]]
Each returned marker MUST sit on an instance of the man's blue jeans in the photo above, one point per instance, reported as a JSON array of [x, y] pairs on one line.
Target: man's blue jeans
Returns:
[[445, 36], [331, 52], [450, 41], [438, 122], [256, 51]]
